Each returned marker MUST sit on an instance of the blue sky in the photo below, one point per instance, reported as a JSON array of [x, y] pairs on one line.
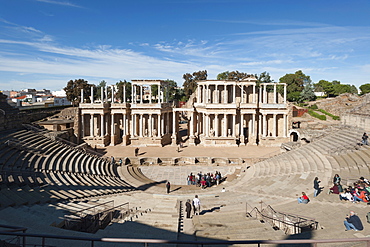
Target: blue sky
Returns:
[[45, 43]]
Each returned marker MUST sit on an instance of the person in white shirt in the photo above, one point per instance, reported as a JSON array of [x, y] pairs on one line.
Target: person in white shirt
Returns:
[[196, 205]]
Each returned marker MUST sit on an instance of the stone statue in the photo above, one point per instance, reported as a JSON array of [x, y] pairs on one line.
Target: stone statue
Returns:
[[154, 132], [211, 132]]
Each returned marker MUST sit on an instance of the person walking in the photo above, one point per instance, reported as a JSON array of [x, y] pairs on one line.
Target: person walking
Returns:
[[136, 152], [188, 208], [196, 205], [316, 186], [168, 187], [353, 222]]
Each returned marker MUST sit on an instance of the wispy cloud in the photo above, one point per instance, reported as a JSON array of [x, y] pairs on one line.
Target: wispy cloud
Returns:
[[60, 3]]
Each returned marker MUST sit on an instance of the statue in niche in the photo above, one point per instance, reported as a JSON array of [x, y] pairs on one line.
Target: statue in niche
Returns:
[[146, 132], [211, 132], [228, 132], [154, 132]]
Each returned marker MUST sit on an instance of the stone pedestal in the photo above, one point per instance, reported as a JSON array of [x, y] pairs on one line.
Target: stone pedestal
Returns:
[[125, 140], [192, 141], [242, 141], [173, 140]]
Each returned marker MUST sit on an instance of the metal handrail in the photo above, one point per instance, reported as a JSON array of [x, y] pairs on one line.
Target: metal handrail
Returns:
[[268, 214], [145, 242]]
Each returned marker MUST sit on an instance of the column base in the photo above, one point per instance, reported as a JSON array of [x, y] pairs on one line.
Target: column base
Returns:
[[192, 141]]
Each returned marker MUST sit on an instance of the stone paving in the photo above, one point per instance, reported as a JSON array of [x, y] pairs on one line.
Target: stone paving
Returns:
[[177, 174], [192, 151]]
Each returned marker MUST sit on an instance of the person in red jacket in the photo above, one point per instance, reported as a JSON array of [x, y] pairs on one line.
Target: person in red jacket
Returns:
[[303, 199]]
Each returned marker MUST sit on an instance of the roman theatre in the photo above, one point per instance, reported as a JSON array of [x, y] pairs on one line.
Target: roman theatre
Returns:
[[95, 175]]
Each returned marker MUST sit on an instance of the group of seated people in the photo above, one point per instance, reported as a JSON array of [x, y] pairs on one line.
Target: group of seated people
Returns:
[[359, 192], [204, 180]]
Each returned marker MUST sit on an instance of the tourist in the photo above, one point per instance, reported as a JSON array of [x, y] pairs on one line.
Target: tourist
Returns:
[[316, 186], [346, 196], [168, 187], [353, 222], [336, 179], [203, 183], [112, 160], [136, 152], [364, 139], [189, 178], [120, 161], [364, 181], [196, 205], [303, 199], [188, 208]]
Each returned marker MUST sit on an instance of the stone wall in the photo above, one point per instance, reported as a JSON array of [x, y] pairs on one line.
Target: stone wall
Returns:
[[340, 104]]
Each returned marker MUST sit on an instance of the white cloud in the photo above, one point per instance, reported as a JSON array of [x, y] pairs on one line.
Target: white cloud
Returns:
[[60, 3]]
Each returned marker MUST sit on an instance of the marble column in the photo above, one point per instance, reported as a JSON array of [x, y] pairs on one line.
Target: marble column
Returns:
[[225, 95], [241, 125], [124, 130], [254, 94], [274, 125], [264, 133], [234, 94], [173, 123], [91, 125], [265, 100], [260, 95], [233, 134], [242, 94], [141, 125], [102, 123], [275, 93], [285, 126], [150, 94], [141, 94], [216, 125], [159, 125], [150, 125], [124, 94], [92, 95], [112, 131], [224, 127], [198, 94], [253, 124], [284, 93], [162, 124]]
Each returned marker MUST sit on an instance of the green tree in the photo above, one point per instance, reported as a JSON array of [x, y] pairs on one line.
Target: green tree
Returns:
[[265, 77], [119, 94], [342, 88], [190, 83], [73, 91], [365, 88], [307, 93], [223, 76], [236, 76], [295, 84], [326, 87], [97, 89]]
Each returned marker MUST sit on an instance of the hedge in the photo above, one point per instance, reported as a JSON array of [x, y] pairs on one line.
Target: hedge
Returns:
[[316, 115], [329, 114]]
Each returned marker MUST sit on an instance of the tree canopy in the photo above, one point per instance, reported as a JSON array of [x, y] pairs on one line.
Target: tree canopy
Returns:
[[295, 84], [73, 91], [190, 83], [119, 93], [232, 76], [365, 88], [334, 88]]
